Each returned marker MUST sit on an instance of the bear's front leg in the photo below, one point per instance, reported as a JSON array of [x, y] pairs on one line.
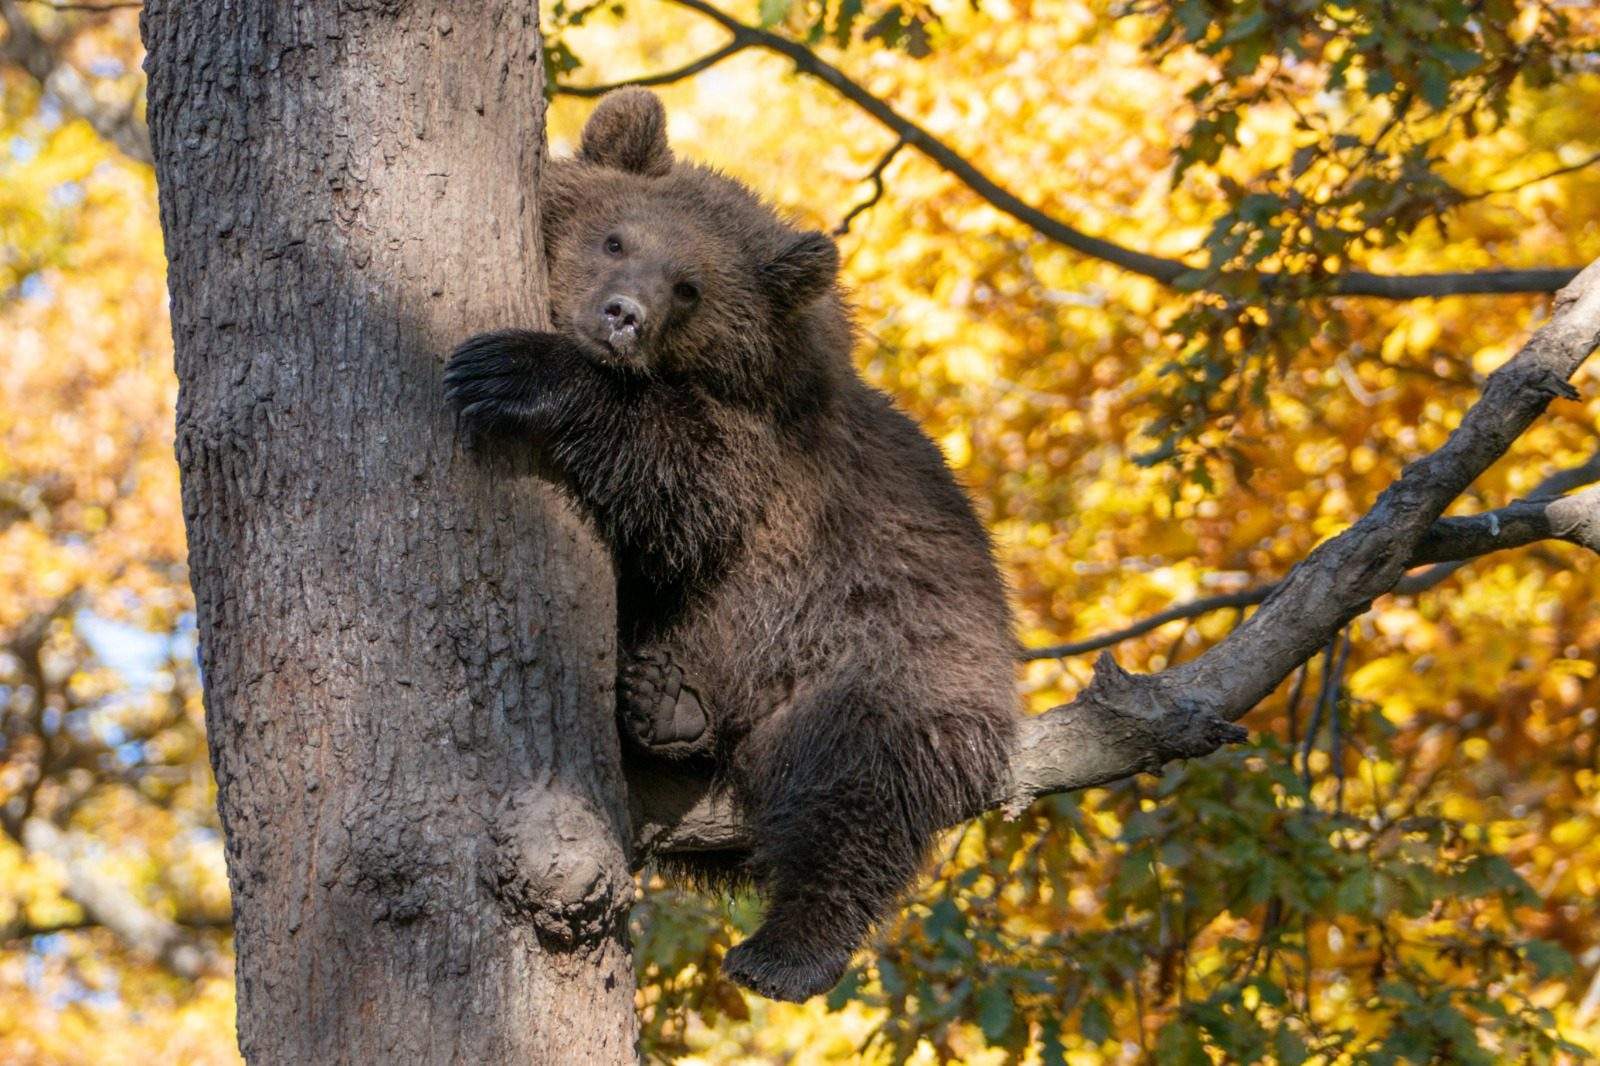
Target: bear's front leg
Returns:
[[661, 712]]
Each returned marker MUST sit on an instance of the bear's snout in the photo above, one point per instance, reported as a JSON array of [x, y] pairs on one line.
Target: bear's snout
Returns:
[[622, 319]]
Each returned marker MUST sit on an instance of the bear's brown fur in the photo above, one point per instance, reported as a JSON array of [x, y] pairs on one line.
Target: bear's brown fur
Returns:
[[807, 602]]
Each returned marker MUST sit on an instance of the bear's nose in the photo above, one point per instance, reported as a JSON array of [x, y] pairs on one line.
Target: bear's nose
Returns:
[[622, 315]]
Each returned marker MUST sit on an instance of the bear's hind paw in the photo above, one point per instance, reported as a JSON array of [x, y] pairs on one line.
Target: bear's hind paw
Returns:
[[663, 715], [790, 972]]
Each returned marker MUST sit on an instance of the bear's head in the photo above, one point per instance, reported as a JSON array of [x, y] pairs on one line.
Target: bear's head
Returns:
[[666, 267]]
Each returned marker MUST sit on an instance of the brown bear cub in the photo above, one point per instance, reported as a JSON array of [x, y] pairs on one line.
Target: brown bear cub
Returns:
[[807, 603]]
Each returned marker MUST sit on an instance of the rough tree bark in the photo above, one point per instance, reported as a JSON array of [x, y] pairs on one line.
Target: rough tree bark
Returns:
[[408, 658]]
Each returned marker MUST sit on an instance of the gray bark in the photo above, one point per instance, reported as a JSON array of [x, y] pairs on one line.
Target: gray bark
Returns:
[[407, 650]]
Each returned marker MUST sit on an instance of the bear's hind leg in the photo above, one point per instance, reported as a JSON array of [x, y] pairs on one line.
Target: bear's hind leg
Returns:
[[660, 712], [845, 803]]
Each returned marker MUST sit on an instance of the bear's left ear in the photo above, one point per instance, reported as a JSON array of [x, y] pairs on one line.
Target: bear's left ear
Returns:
[[802, 271], [628, 131]]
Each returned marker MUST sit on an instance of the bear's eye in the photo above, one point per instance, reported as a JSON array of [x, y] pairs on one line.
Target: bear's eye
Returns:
[[614, 245], [687, 291]]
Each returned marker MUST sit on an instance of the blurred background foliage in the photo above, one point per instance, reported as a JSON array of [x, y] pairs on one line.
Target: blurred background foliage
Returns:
[[1402, 866]]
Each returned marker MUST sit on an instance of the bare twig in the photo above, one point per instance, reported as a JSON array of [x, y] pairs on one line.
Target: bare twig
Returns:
[[1558, 172], [1336, 722], [739, 43], [1318, 709], [876, 177], [1292, 708], [1183, 611]]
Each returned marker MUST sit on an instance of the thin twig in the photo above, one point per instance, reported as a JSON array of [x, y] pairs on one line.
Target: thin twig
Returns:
[[1296, 694], [738, 44], [1571, 168], [876, 177], [1317, 710], [1180, 612], [1336, 723]]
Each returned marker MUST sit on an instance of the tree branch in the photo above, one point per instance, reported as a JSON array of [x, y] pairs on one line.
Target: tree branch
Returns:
[[71, 8], [876, 177], [107, 902], [20, 928], [121, 124], [1178, 612], [739, 43], [1159, 268], [1123, 724]]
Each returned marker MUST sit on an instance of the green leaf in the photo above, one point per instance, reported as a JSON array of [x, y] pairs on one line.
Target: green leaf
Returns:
[[995, 1012], [1051, 1050], [1461, 60], [1292, 1050], [844, 991], [1354, 895], [774, 11], [1245, 27], [1179, 1045], [1435, 86], [1548, 959], [1095, 1025], [849, 11]]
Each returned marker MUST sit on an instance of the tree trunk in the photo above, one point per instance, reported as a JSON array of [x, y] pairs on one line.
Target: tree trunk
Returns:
[[407, 647]]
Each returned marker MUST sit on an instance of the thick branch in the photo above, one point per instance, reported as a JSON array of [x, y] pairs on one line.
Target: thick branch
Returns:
[[20, 928], [1162, 269], [1575, 519], [119, 123], [107, 902], [1123, 724], [1343, 575]]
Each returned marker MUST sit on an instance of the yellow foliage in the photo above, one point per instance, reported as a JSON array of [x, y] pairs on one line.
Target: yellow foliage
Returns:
[[1027, 362]]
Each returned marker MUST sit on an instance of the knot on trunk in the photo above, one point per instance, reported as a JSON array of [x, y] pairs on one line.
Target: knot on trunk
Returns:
[[557, 865]]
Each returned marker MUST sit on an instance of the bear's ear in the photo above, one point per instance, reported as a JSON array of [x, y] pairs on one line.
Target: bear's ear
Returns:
[[804, 270], [628, 131]]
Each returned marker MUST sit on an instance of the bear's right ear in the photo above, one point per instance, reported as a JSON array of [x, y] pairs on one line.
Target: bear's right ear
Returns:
[[628, 131], [801, 272]]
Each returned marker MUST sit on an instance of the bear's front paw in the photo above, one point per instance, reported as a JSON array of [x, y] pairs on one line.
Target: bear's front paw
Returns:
[[660, 712], [490, 380]]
